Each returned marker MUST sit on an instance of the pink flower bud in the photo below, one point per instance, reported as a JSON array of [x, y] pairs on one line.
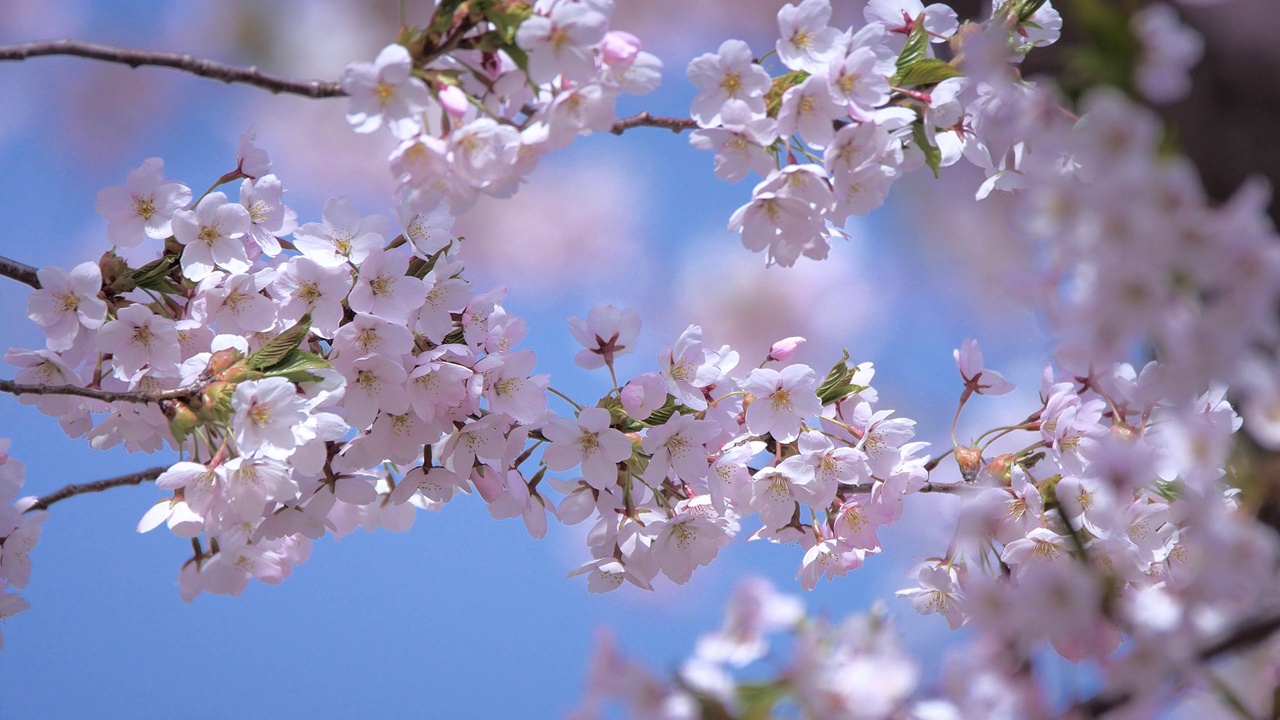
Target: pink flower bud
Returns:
[[619, 48], [453, 100], [643, 395], [785, 348]]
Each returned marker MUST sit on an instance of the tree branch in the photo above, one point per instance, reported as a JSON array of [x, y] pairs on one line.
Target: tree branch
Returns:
[[644, 119], [14, 388], [18, 271], [1243, 635], [274, 84], [959, 488], [137, 478]]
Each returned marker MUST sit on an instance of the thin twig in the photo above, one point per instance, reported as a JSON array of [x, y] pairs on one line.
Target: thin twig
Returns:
[[179, 61], [14, 388], [17, 271], [950, 488], [644, 119], [137, 478]]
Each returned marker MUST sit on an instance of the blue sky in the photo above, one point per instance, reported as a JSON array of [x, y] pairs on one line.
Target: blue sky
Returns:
[[462, 616]]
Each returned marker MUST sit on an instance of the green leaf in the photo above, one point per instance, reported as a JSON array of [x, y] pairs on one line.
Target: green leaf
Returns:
[[664, 413], [782, 83], [455, 337], [838, 384], [443, 18], [280, 346], [917, 46], [1026, 8], [294, 366], [519, 57], [758, 699], [929, 71], [508, 19], [932, 155], [155, 275]]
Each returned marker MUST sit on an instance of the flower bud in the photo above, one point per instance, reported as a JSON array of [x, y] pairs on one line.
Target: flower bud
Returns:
[[970, 461], [1122, 431], [217, 400], [183, 422], [619, 48], [454, 100], [785, 348], [115, 273], [1001, 467], [222, 360], [643, 395], [235, 374]]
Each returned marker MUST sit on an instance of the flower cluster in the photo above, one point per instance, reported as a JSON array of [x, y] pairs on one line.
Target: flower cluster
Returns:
[[1152, 264], [323, 376], [1114, 524], [518, 81], [19, 533], [849, 113], [286, 362], [1116, 509], [708, 448], [855, 669]]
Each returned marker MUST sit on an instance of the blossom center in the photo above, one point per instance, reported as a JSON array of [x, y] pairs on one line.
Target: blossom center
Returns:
[[143, 207], [384, 92], [209, 234], [780, 400], [731, 83]]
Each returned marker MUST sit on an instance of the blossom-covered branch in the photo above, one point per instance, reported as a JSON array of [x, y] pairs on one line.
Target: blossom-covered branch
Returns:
[[179, 61], [14, 388], [17, 271], [137, 478]]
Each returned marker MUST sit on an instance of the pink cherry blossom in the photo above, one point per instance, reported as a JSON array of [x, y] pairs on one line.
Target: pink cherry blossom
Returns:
[[144, 207], [67, 301], [385, 92], [588, 442]]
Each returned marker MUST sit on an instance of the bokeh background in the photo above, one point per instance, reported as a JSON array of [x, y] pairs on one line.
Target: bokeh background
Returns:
[[462, 616]]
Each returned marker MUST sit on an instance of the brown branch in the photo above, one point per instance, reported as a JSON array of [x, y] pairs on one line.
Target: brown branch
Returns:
[[950, 488], [644, 119], [17, 271], [14, 388], [137, 478], [274, 84]]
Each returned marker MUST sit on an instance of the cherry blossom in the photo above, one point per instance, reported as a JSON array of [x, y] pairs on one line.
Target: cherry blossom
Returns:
[[781, 400], [385, 92], [144, 207], [730, 74], [589, 442], [211, 235], [606, 334], [67, 301]]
